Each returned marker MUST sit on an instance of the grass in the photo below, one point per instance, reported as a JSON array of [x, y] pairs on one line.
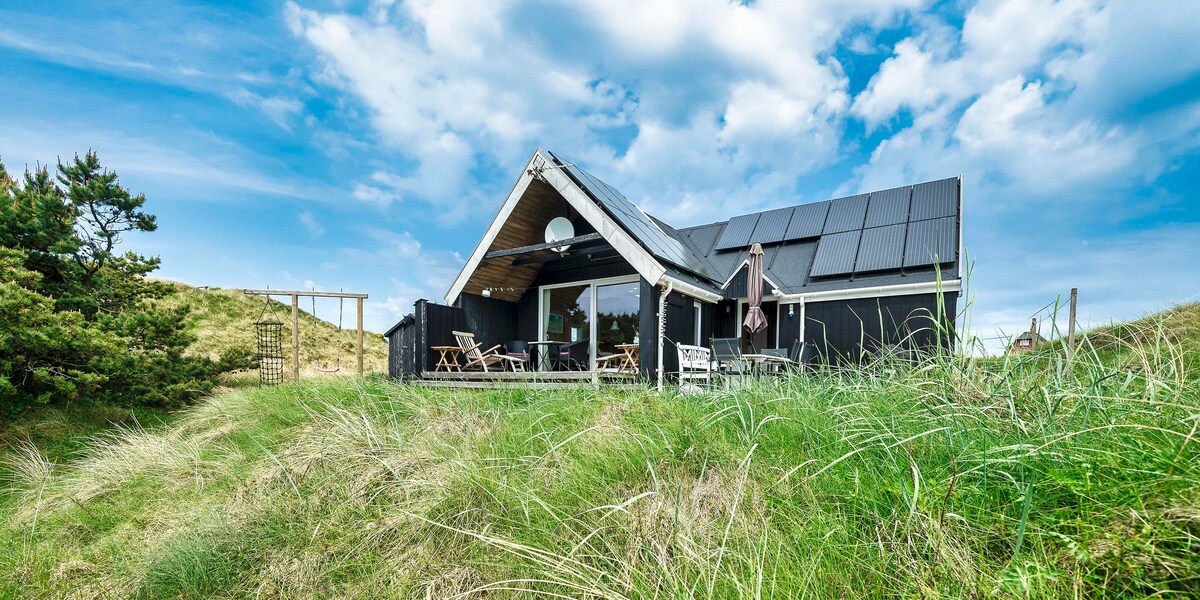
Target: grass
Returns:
[[1019, 477]]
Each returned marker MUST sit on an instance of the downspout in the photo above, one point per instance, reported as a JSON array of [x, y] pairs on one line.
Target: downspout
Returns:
[[802, 320], [662, 328]]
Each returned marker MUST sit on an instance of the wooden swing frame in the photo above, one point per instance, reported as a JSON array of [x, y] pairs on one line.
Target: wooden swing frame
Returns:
[[295, 296]]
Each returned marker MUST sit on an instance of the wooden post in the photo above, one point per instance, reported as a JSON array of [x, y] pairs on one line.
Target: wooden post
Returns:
[[360, 337], [295, 337], [1071, 324], [1033, 334]]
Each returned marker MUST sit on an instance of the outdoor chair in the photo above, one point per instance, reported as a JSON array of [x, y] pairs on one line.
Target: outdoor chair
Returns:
[[727, 354], [802, 354], [695, 363], [777, 367], [578, 354], [517, 349], [484, 359], [572, 356]]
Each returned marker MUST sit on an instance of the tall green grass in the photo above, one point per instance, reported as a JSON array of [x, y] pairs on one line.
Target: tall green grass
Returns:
[[1020, 477]]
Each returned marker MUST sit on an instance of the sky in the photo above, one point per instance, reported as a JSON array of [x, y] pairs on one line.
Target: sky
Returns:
[[366, 146]]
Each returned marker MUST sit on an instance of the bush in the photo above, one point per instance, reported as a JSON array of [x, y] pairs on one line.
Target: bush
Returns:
[[79, 319]]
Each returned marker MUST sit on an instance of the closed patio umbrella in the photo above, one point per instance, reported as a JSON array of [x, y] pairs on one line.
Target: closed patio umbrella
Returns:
[[756, 321]]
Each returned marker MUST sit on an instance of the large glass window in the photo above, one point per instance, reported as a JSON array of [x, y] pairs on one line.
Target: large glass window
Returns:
[[603, 314], [616, 316], [566, 313]]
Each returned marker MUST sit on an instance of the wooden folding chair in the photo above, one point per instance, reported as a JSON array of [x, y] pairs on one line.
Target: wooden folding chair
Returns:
[[486, 358]]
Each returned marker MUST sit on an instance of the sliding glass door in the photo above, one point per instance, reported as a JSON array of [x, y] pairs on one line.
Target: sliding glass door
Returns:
[[601, 314], [617, 316]]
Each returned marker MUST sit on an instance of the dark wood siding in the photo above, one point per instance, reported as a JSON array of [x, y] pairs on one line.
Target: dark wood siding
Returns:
[[493, 321], [402, 349], [581, 268], [737, 285], [844, 331], [681, 329], [725, 323], [648, 329]]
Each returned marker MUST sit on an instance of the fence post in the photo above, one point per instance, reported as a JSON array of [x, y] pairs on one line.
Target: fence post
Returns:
[[1033, 334], [1071, 325]]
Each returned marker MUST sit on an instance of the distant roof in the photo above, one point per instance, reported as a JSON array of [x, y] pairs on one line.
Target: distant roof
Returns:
[[1025, 336]]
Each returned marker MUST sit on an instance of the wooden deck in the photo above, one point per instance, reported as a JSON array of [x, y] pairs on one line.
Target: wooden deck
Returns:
[[529, 379]]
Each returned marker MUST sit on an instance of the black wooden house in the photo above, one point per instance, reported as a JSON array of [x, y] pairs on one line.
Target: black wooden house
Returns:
[[851, 277]]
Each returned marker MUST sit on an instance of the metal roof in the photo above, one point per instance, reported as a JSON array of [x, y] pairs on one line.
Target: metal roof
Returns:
[[879, 238], [635, 221]]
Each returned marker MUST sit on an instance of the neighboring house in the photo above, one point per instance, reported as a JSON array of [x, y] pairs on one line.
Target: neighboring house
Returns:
[[848, 276], [1023, 343]]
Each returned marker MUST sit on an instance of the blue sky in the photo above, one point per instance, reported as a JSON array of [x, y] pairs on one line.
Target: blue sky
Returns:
[[366, 145]]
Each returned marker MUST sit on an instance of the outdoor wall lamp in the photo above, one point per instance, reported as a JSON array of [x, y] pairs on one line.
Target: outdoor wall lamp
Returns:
[[791, 310]]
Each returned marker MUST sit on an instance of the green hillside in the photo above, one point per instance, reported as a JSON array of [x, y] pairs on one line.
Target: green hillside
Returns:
[[1176, 329], [224, 318], [953, 479]]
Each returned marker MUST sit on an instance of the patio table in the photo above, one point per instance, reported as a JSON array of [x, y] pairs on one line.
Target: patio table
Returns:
[[448, 358], [759, 362], [543, 351], [627, 361]]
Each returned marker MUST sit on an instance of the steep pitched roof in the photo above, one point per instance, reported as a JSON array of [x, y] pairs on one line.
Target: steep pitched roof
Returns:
[[653, 235]]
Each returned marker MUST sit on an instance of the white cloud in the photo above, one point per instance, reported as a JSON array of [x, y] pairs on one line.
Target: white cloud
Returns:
[[309, 221], [203, 164], [456, 87]]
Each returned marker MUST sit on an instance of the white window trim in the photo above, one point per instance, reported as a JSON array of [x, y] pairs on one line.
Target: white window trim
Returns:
[[592, 325]]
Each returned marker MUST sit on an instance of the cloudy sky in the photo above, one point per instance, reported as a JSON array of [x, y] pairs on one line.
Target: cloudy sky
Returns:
[[367, 145]]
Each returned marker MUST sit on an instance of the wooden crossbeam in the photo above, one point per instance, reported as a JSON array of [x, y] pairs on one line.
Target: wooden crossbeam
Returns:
[[307, 293], [597, 254], [295, 296], [575, 241]]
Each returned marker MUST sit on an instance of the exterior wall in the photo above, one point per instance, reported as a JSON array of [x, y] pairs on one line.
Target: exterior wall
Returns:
[[681, 328], [401, 349], [725, 318], [409, 345], [844, 331], [737, 285], [493, 321], [648, 330]]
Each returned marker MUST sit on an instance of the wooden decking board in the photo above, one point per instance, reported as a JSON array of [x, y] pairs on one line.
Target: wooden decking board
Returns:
[[528, 380], [527, 377]]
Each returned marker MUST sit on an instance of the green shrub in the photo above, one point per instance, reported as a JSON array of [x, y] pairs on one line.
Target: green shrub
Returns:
[[80, 322]]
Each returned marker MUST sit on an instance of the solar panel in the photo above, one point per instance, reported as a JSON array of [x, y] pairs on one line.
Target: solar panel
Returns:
[[636, 221], [835, 254], [935, 199], [888, 207], [882, 248], [807, 221], [737, 232], [771, 226], [930, 239], [846, 214]]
